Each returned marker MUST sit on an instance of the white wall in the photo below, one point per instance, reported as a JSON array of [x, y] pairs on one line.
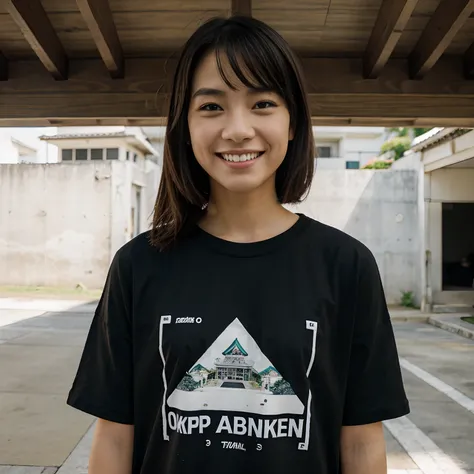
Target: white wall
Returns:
[[8, 152], [452, 185], [412, 161], [330, 164], [153, 177], [379, 208], [55, 224], [362, 149]]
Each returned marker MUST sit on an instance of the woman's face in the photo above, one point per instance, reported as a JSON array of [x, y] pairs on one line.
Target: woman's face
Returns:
[[239, 137]]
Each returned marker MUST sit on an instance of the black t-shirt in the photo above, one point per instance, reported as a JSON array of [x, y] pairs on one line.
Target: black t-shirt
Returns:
[[242, 357]]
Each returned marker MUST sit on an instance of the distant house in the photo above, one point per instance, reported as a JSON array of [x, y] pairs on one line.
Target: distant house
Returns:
[[86, 144], [340, 148]]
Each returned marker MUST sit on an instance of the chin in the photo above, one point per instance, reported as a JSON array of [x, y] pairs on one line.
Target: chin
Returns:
[[241, 186]]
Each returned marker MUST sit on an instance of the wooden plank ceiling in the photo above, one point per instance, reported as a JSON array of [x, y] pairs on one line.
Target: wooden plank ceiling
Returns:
[[367, 62]]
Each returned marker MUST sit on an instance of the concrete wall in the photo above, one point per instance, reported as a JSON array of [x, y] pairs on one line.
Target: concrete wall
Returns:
[[330, 164], [61, 224], [126, 179], [411, 161], [55, 224], [153, 177], [379, 208]]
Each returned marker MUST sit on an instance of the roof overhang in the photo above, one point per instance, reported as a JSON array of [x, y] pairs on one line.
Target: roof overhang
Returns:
[[91, 62], [452, 150]]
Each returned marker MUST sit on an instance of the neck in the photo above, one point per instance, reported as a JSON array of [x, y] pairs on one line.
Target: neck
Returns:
[[246, 217]]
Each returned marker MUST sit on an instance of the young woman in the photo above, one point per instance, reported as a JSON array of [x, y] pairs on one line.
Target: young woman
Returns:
[[237, 336]]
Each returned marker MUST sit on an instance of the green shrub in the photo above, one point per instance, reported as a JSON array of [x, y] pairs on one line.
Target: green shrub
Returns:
[[378, 165], [398, 145], [408, 299]]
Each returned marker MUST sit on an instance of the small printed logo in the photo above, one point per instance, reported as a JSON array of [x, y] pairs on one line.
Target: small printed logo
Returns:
[[312, 325], [188, 320]]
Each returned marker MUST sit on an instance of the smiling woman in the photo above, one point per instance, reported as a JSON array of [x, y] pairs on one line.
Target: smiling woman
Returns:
[[238, 122], [236, 333]]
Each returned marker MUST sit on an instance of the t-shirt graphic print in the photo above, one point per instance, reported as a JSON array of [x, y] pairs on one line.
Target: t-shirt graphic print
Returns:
[[234, 376]]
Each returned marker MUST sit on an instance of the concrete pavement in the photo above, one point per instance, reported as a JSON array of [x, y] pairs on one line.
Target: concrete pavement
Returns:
[[453, 323], [40, 350]]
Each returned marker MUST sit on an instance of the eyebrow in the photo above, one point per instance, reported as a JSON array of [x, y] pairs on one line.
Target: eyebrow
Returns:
[[206, 91]]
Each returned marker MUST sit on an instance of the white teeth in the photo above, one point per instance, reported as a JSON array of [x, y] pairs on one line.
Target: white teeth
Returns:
[[239, 158]]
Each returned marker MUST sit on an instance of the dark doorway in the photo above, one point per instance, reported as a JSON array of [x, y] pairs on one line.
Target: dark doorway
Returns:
[[458, 246]]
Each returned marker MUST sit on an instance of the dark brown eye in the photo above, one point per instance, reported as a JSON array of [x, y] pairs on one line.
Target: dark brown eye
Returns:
[[210, 107], [264, 104]]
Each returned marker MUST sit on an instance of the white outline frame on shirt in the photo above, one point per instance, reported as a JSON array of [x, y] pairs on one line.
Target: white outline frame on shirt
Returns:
[[311, 326], [164, 320]]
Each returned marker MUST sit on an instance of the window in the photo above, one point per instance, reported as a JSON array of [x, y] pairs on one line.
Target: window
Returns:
[[97, 153], [66, 155], [128, 155], [352, 165], [324, 152], [327, 148], [81, 154], [135, 157], [112, 153]]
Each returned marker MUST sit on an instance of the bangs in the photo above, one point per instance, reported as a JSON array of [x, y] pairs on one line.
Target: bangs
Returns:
[[239, 55]]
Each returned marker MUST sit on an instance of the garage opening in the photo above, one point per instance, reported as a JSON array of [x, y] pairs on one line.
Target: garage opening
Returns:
[[458, 246]]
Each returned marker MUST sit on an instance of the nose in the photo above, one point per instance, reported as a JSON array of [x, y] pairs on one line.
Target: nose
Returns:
[[238, 127]]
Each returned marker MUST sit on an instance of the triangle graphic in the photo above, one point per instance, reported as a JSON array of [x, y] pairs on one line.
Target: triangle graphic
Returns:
[[235, 375]]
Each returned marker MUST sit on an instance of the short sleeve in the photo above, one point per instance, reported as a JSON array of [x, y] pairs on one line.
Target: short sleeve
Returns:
[[375, 390], [103, 385]]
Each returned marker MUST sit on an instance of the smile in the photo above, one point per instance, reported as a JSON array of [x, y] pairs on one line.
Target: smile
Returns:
[[240, 158]]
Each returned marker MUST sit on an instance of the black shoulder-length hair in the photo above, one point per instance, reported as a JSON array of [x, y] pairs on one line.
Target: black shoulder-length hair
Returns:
[[259, 57]]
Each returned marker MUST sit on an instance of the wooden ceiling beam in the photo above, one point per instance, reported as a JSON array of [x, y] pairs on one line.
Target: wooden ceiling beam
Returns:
[[469, 62], [98, 17], [337, 93], [434, 110], [323, 76], [3, 67], [30, 16], [447, 20], [241, 8], [391, 21]]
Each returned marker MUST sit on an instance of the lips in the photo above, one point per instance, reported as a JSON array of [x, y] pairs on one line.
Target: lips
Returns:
[[240, 157]]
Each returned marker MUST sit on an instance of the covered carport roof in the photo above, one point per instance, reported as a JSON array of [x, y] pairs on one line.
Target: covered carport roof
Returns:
[[367, 62]]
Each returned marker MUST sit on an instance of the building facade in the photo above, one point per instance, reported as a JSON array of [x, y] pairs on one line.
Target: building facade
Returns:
[[340, 148], [444, 160]]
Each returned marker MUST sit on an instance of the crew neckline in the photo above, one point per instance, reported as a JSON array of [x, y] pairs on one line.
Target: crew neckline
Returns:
[[253, 249]]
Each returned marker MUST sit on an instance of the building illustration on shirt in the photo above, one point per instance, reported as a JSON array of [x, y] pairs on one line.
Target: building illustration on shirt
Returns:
[[235, 375]]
